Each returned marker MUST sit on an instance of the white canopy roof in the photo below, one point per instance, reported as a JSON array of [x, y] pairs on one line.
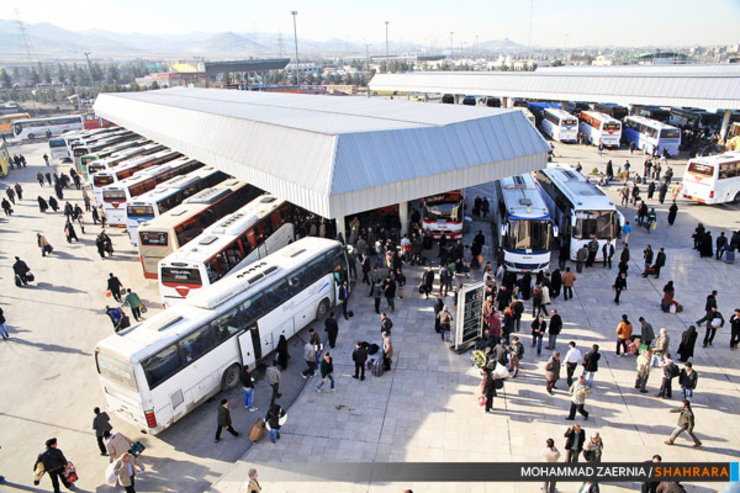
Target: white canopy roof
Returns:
[[334, 156], [701, 86]]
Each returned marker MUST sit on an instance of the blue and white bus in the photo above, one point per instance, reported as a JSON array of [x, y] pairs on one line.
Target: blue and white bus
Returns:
[[559, 125], [648, 134], [525, 227], [166, 196], [579, 208]]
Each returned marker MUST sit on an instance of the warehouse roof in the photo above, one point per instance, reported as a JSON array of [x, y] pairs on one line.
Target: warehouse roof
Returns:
[[334, 156], [700, 86]]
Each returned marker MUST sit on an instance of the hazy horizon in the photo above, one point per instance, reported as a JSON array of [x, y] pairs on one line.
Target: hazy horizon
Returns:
[[569, 24]]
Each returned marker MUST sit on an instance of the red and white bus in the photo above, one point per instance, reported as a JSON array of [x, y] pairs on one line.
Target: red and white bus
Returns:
[[112, 160], [601, 128], [116, 196], [713, 179], [173, 229], [444, 214], [127, 168], [255, 231]]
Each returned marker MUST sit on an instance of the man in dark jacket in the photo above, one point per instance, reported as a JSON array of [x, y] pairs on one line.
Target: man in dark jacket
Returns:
[[620, 284], [659, 262], [427, 282], [708, 305], [593, 250], [714, 322], [344, 298], [224, 421], [735, 329], [367, 266], [556, 326], [20, 268], [327, 371], [114, 285], [54, 463], [688, 380], [331, 327], [248, 386], [438, 307], [500, 352], [575, 437], [101, 424], [647, 334], [608, 251], [670, 371], [359, 356], [539, 327], [591, 364]]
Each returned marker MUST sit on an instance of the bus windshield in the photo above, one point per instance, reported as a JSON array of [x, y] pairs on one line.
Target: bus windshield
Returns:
[[116, 370], [140, 211], [568, 123], [57, 143], [446, 211], [533, 235], [598, 224]]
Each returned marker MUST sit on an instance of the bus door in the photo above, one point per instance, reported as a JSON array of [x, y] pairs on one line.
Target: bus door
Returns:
[[250, 352]]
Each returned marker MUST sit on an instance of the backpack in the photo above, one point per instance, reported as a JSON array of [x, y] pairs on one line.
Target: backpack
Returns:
[[674, 370]]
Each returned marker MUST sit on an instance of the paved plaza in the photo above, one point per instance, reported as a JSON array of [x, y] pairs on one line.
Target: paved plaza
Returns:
[[423, 410]]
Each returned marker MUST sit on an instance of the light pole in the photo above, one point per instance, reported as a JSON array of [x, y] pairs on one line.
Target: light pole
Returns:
[[367, 63], [294, 13], [89, 69], [386, 40]]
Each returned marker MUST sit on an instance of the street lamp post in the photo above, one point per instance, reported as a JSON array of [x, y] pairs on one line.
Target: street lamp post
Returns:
[[386, 40], [294, 13], [89, 68], [367, 63]]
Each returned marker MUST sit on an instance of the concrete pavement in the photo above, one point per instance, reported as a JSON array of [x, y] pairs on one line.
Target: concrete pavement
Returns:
[[423, 410]]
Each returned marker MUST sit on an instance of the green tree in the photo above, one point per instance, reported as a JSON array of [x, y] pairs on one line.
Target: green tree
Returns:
[[113, 75], [5, 79], [62, 73], [35, 77]]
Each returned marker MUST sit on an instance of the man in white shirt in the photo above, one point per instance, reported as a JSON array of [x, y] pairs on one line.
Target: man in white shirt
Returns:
[[572, 359]]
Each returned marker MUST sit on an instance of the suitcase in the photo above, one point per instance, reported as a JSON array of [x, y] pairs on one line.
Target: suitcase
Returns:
[[631, 347], [30, 277], [18, 281], [257, 430], [136, 449], [378, 367]]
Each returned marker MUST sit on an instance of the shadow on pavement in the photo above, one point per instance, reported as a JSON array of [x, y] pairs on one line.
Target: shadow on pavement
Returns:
[[49, 347], [45, 423], [59, 289], [68, 256]]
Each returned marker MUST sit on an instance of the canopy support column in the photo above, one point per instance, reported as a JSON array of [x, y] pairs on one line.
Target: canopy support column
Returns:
[[340, 227], [725, 125], [403, 216]]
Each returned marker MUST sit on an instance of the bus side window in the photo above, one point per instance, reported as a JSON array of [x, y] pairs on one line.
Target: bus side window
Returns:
[[252, 309], [227, 325], [298, 281], [196, 344], [162, 365], [276, 295]]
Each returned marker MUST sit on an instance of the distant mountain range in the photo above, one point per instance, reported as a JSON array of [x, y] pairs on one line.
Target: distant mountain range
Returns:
[[53, 42]]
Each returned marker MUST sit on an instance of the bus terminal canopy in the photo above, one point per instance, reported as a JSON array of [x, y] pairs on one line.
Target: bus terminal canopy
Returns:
[[334, 156], [709, 87]]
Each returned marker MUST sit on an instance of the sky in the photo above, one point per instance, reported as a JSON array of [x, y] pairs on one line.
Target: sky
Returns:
[[555, 23]]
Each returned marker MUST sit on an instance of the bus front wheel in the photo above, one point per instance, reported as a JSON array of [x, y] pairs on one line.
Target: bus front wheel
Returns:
[[230, 378], [31, 136], [322, 309], [736, 200]]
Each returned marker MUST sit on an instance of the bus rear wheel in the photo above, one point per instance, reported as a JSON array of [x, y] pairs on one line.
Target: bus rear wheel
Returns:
[[736, 200], [230, 378], [31, 136]]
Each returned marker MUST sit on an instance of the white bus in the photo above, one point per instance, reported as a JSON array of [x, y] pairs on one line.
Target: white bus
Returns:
[[127, 168], [167, 195], [648, 134], [713, 179], [579, 208], [170, 231], [156, 372], [37, 128], [525, 227], [529, 115], [57, 148], [601, 128], [114, 159], [559, 125], [116, 196], [75, 138], [258, 229]]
